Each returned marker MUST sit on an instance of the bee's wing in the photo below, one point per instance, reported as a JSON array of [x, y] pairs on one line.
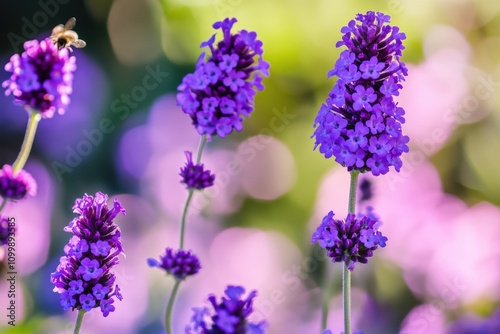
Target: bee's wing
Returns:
[[58, 29], [70, 24], [79, 43]]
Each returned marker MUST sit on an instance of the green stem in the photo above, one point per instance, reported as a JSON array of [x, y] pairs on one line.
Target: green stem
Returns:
[[346, 289], [4, 201], [203, 140], [184, 215], [79, 320], [170, 306], [29, 136], [201, 146], [346, 273], [352, 191]]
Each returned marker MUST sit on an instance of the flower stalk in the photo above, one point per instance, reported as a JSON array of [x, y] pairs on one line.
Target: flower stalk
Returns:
[[29, 137]]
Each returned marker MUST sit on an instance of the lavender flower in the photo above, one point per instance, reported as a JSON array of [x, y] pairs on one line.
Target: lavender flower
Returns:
[[83, 277], [229, 316], [4, 230], [42, 77], [194, 176], [222, 88], [350, 241], [180, 264], [360, 124], [16, 186]]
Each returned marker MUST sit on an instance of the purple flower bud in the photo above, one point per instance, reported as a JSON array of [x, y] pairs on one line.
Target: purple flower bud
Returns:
[[351, 240], [180, 264], [195, 176], [16, 186], [229, 315]]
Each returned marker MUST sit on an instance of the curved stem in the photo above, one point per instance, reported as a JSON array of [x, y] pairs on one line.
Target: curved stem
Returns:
[[170, 306], [29, 136], [79, 320], [184, 215], [4, 201]]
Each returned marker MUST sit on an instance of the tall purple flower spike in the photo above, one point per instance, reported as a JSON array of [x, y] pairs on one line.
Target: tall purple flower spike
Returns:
[[221, 91], [360, 124], [84, 277]]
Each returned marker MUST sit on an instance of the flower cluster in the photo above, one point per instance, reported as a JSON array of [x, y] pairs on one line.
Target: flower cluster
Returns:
[[16, 186], [350, 241], [360, 124], [229, 316], [195, 176], [42, 77], [222, 88], [83, 277], [330, 332], [180, 264]]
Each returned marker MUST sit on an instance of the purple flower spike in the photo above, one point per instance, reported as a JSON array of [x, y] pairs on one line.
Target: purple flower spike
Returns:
[[233, 72], [16, 186], [229, 315], [42, 77], [83, 277], [360, 124], [180, 264], [351, 240], [195, 176]]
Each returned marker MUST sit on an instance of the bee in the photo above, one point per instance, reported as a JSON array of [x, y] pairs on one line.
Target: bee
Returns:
[[64, 37]]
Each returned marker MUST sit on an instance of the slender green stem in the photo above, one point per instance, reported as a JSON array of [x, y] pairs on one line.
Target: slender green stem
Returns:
[[201, 146], [346, 273], [170, 306], [29, 136], [346, 289], [184, 215], [4, 201], [352, 191], [79, 320]]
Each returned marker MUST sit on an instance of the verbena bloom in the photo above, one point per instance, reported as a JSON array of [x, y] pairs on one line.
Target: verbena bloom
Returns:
[[16, 186], [195, 176], [83, 277], [4, 230], [222, 88], [351, 240], [229, 315], [42, 77], [360, 124], [179, 264]]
